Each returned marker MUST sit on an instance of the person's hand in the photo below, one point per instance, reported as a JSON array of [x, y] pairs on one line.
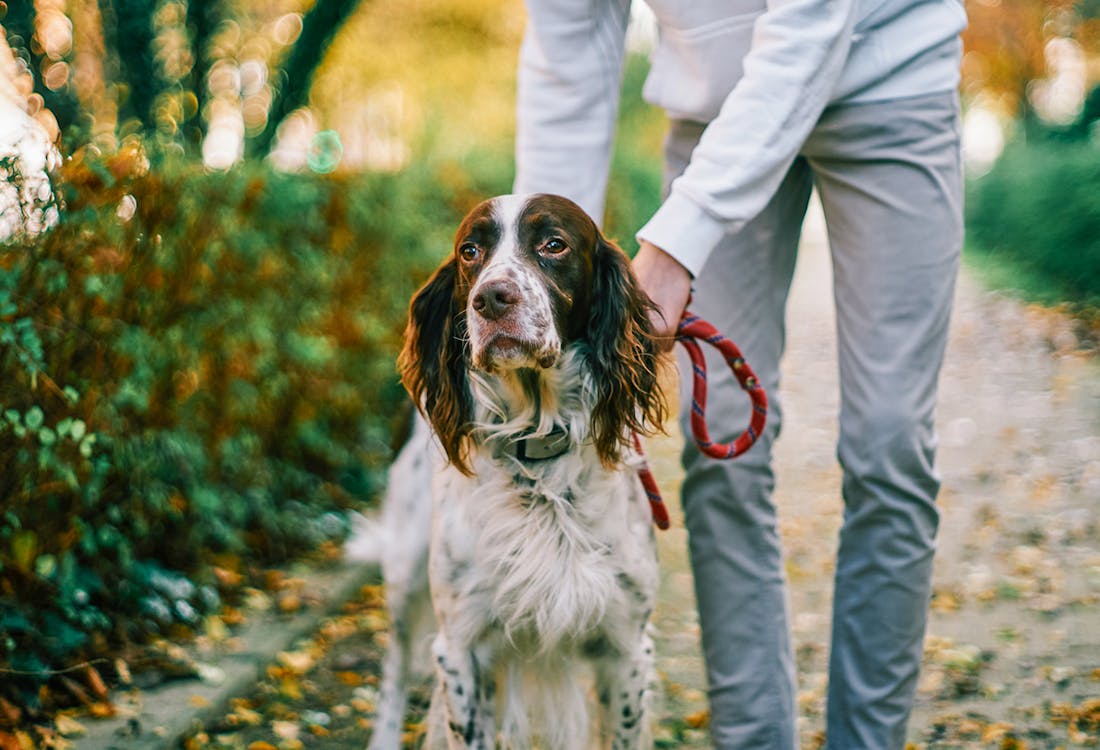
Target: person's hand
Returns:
[[668, 284]]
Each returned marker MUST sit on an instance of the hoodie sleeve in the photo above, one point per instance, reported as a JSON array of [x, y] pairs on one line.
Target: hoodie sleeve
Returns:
[[570, 73], [798, 51]]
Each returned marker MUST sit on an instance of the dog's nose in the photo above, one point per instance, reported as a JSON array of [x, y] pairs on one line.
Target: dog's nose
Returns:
[[494, 299]]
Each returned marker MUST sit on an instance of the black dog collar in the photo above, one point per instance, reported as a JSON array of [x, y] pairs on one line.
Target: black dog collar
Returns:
[[544, 447]]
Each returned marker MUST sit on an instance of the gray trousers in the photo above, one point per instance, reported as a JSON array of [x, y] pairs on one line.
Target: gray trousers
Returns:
[[889, 177]]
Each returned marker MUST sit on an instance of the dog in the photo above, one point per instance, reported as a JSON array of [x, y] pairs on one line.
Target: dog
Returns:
[[532, 359]]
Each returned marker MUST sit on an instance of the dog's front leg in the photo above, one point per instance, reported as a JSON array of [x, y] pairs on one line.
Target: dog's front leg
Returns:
[[462, 704], [622, 682]]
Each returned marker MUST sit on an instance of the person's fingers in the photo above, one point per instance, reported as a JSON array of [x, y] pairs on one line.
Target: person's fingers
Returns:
[[668, 284]]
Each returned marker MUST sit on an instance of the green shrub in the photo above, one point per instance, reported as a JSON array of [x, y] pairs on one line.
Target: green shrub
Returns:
[[1038, 212], [195, 367]]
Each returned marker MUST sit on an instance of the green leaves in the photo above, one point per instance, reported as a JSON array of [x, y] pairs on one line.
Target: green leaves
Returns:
[[1038, 209], [214, 376]]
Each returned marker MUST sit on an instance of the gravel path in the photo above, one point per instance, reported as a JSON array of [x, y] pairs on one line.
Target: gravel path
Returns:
[[1013, 648]]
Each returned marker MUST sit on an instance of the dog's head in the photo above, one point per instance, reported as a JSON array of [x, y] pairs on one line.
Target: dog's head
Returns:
[[531, 276]]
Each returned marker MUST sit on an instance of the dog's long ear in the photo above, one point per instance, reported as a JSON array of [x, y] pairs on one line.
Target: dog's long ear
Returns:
[[624, 355], [433, 362]]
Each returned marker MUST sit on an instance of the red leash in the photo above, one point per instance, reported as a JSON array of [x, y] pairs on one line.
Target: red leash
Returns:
[[691, 331]]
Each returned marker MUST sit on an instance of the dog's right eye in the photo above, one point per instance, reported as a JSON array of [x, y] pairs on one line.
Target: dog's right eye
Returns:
[[468, 252]]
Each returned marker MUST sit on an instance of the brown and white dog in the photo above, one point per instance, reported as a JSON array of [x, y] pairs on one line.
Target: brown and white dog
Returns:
[[531, 355]]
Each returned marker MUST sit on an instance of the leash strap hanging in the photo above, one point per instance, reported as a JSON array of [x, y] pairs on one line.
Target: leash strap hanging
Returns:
[[691, 330], [657, 505]]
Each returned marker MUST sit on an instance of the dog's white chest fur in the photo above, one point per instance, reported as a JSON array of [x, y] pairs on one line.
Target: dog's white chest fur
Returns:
[[552, 563]]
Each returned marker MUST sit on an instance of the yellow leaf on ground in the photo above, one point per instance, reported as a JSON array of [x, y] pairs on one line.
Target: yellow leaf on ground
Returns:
[[289, 687], [698, 720], [286, 730], [67, 726], [296, 661], [246, 716], [996, 731], [102, 710]]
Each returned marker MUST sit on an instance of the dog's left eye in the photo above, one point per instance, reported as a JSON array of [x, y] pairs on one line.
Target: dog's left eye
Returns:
[[469, 252], [554, 246]]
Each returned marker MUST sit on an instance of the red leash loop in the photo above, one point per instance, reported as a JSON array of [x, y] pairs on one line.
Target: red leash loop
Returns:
[[691, 330]]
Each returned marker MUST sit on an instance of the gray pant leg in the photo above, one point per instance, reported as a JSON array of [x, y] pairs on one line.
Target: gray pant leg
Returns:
[[735, 552], [890, 183]]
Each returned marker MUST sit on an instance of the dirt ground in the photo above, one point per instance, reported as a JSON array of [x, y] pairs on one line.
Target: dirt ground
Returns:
[[1012, 655]]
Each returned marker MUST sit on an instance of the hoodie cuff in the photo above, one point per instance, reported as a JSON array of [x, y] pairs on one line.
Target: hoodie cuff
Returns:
[[685, 231]]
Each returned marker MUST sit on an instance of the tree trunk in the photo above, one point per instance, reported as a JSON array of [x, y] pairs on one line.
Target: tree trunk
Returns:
[[202, 19], [128, 31], [293, 78]]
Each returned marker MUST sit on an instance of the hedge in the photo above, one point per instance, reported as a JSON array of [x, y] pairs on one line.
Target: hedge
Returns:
[[195, 369], [1038, 211]]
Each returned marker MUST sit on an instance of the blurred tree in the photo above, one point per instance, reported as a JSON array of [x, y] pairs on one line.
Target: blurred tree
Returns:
[[128, 32], [295, 75], [1006, 48], [202, 19], [132, 66]]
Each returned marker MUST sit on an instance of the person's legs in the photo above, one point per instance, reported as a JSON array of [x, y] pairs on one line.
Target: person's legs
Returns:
[[890, 183], [735, 552]]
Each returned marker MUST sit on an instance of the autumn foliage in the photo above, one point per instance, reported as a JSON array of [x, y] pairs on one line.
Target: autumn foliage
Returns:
[[195, 368]]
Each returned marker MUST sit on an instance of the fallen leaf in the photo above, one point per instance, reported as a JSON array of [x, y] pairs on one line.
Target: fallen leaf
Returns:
[[228, 578], [296, 661], [196, 741], [123, 671], [970, 728], [210, 674], [995, 732], [698, 720], [351, 679], [67, 726], [102, 710], [95, 682], [215, 628], [286, 730], [243, 715], [233, 617], [288, 602], [944, 601], [10, 714], [290, 687]]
